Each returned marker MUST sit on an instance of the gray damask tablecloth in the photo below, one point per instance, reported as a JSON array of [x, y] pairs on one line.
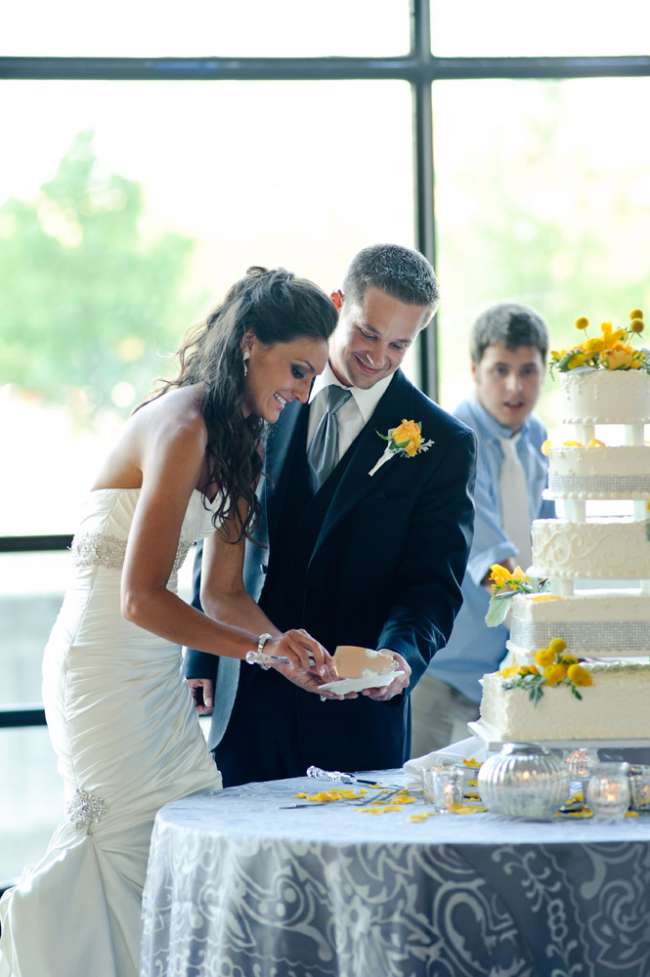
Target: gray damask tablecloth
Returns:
[[237, 887]]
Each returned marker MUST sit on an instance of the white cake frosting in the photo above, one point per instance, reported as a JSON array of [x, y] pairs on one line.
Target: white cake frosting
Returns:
[[594, 624], [605, 396], [599, 624], [582, 472], [609, 549], [614, 707]]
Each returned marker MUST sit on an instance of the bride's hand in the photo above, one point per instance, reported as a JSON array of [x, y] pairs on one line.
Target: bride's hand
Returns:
[[303, 652]]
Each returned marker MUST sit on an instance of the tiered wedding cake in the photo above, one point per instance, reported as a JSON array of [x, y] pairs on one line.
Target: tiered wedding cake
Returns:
[[547, 694]]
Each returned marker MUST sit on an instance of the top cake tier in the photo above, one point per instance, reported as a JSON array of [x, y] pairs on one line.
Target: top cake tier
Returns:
[[605, 397]]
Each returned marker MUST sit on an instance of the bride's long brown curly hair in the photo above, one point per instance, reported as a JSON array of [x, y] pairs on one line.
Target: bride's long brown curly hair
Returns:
[[278, 308]]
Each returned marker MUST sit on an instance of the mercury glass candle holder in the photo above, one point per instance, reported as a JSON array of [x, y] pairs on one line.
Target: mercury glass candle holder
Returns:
[[639, 777], [608, 790], [523, 780]]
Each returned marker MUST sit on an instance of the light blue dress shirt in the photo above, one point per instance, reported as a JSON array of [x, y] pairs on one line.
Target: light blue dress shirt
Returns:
[[473, 648]]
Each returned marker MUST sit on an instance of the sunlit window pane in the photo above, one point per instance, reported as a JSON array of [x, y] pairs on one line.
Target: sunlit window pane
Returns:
[[510, 28], [201, 28], [126, 210], [543, 196], [32, 798]]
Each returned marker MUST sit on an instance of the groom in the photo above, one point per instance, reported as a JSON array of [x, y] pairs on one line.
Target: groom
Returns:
[[371, 560]]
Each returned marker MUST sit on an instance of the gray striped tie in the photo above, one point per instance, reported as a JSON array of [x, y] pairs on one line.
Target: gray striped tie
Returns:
[[323, 451]]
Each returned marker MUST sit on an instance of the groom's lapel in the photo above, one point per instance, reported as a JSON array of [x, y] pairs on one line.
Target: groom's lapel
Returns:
[[278, 459], [367, 449]]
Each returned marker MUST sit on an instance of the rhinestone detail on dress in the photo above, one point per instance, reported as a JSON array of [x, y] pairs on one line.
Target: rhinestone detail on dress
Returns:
[[85, 810], [104, 550]]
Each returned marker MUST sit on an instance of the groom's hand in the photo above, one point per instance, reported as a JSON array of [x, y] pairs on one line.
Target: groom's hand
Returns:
[[201, 690], [397, 685]]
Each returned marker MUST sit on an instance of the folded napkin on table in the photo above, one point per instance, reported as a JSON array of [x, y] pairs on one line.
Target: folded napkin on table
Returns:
[[473, 747]]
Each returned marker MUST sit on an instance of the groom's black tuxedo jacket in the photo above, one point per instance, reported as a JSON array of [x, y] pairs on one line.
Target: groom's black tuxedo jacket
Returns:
[[375, 561]]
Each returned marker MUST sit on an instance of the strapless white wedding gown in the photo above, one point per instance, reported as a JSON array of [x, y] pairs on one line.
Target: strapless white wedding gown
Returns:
[[127, 740]]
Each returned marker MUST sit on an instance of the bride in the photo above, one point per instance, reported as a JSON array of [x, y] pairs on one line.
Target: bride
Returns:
[[120, 717]]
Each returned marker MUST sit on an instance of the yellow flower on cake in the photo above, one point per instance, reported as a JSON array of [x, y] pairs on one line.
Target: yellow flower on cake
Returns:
[[554, 674], [499, 575], [579, 675], [544, 657], [557, 646], [619, 357]]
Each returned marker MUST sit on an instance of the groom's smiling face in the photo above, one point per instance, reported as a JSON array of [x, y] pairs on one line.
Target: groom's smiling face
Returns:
[[372, 337]]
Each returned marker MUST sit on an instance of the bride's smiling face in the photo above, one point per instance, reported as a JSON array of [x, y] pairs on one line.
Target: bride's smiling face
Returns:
[[281, 373]]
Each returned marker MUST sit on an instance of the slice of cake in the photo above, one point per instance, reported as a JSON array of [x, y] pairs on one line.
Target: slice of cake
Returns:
[[351, 661]]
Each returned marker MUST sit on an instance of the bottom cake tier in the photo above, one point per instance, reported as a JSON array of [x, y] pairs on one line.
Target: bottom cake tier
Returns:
[[614, 707]]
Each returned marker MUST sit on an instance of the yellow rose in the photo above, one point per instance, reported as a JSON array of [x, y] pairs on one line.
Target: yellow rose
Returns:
[[579, 675], [407, 436], [544, 657], [557, 646], [499, 575], [618, 357], [582, 322], [554, 674]]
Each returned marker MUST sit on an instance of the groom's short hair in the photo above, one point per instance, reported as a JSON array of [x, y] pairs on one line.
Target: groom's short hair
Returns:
[[401, 272]]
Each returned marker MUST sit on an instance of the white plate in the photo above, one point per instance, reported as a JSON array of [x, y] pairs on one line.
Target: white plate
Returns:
[[344, 685], [494, 739]]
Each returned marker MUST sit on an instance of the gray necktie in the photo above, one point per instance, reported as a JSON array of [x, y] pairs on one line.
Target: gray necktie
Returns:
[[323, 451]]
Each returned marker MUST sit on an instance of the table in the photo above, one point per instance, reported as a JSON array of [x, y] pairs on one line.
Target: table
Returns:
[[237, 887]]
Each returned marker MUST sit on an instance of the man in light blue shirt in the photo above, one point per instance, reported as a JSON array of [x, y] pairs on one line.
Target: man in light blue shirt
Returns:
[[509, 346]]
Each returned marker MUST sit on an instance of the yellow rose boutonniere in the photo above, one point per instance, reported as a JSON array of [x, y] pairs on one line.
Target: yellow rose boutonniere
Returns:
[[404, 441]]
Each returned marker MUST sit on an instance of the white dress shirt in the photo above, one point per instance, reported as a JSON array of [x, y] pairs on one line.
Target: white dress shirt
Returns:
[[353, 415]]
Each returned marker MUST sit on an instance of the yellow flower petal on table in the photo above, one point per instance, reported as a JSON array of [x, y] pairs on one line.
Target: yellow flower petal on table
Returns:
[[631, 814], [572, 444], [471, 762], [596, 443], [579, 675], [540, 598], [467, 808]]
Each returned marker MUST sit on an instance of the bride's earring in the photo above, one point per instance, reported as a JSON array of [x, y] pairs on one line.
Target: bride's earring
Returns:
[[246, 357]]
